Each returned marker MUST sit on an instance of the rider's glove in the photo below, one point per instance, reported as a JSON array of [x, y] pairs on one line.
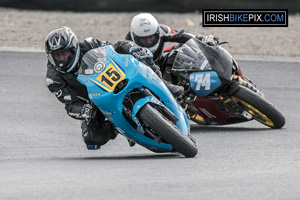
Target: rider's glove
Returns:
[[87, 111], [140, 52], [211, 40], [156, 70]]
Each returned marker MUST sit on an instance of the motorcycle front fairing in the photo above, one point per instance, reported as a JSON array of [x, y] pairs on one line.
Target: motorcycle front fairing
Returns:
[[102, 74], [208, 66]]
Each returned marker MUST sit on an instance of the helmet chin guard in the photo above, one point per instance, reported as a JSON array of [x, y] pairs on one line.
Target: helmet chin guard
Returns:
[[75, 60]]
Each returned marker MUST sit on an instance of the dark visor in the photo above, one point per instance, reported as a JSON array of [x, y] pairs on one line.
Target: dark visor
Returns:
[[148, 41]]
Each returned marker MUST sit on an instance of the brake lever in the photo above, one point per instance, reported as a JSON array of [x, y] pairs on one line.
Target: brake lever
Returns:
[[225, 42]]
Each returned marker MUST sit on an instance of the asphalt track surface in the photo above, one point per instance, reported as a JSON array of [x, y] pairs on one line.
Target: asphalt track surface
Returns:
[[42, 155]]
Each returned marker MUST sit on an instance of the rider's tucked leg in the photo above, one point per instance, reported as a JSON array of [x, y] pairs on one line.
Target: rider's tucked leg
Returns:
[[97, 132], [176, 90]]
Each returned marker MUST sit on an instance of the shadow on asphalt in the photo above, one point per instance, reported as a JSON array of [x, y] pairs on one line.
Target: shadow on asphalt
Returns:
[[215, 129], [130, 157]]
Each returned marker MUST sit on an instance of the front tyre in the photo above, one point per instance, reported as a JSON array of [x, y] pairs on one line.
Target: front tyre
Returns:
[[260, 108], [168, 131]]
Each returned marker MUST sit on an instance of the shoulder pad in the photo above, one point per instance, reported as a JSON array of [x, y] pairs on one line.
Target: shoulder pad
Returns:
[[166, 30], [92, 42]]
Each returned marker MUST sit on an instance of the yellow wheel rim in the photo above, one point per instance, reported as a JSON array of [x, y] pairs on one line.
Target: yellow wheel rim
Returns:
[[259, 116]]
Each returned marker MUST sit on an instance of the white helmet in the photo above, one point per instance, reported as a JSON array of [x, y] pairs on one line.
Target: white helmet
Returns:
[[145, 32]]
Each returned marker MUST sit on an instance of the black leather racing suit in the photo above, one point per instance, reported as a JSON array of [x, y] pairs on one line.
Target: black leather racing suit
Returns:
[[74, 95]]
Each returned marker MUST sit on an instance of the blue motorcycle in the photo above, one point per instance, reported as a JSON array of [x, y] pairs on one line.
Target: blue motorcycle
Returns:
[[136, 101]]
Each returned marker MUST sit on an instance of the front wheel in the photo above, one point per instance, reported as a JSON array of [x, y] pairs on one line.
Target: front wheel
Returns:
[[260, 108], [168, 131]]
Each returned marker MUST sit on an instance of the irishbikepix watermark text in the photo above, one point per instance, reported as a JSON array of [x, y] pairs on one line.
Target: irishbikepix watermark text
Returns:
[[245, 18]]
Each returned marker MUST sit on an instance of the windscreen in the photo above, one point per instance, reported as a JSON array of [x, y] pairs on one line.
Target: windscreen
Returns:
[[190, 56], [93, 61], [195, 55]]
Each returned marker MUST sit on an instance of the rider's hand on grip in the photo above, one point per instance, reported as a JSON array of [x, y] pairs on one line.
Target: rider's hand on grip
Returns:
[[140, 53], [87, 111], [211, 40]]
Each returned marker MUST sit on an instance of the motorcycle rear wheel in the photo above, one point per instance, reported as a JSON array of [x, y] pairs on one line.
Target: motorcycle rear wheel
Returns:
[[168, 131], [260, 108]]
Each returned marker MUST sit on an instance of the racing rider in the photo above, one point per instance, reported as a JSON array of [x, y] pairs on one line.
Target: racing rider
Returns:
[[64, 54], [145, 31]]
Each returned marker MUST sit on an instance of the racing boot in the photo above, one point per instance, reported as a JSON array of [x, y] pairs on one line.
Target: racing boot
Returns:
[[97, 134], [176, 90]]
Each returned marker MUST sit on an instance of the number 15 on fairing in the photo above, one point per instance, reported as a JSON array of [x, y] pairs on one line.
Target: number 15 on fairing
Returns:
[[203, 83]]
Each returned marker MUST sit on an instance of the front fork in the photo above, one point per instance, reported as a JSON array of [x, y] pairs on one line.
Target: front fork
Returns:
[[233, 108], [247, 83]]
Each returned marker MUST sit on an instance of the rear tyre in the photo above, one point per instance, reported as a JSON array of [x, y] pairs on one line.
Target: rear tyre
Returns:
[[261, 109], [168, 131]]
